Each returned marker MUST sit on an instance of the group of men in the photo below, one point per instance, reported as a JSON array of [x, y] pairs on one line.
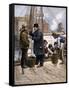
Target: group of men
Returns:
[[38, 46]]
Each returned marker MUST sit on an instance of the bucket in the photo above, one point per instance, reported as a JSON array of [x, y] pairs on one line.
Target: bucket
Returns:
[[54, 58]]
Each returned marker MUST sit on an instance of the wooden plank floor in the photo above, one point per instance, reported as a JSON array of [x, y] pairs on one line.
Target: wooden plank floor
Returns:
[[49, 73]]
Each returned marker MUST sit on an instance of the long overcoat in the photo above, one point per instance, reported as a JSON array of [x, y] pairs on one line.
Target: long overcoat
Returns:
[[38, 46]]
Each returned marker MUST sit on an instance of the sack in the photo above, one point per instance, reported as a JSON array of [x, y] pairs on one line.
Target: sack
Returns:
[[31, 61]]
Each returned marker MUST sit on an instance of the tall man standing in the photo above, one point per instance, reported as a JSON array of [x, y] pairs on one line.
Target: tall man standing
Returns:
[[24, 43], [38, 46]]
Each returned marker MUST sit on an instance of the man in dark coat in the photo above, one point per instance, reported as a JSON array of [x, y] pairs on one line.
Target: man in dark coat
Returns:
[[38, 46], [24, 43]]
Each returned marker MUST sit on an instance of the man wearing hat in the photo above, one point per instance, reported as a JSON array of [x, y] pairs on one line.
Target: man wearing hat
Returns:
[[38, 46], [24, 43], [60, 43]]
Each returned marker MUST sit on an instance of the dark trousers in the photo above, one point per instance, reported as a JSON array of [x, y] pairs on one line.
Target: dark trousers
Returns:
[[24, 57], [39, 59], [62, 56]]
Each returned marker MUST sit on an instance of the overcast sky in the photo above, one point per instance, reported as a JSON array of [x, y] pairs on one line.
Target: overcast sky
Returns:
[[52, 15]]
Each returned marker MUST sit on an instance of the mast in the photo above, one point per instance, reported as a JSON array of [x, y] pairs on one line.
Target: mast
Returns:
[[36, 16], [31, 18]]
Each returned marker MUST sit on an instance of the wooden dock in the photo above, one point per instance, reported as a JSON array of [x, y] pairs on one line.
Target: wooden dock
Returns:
[[49, 73]]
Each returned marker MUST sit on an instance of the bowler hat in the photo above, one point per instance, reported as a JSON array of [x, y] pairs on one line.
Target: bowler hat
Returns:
[[36, 25]]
